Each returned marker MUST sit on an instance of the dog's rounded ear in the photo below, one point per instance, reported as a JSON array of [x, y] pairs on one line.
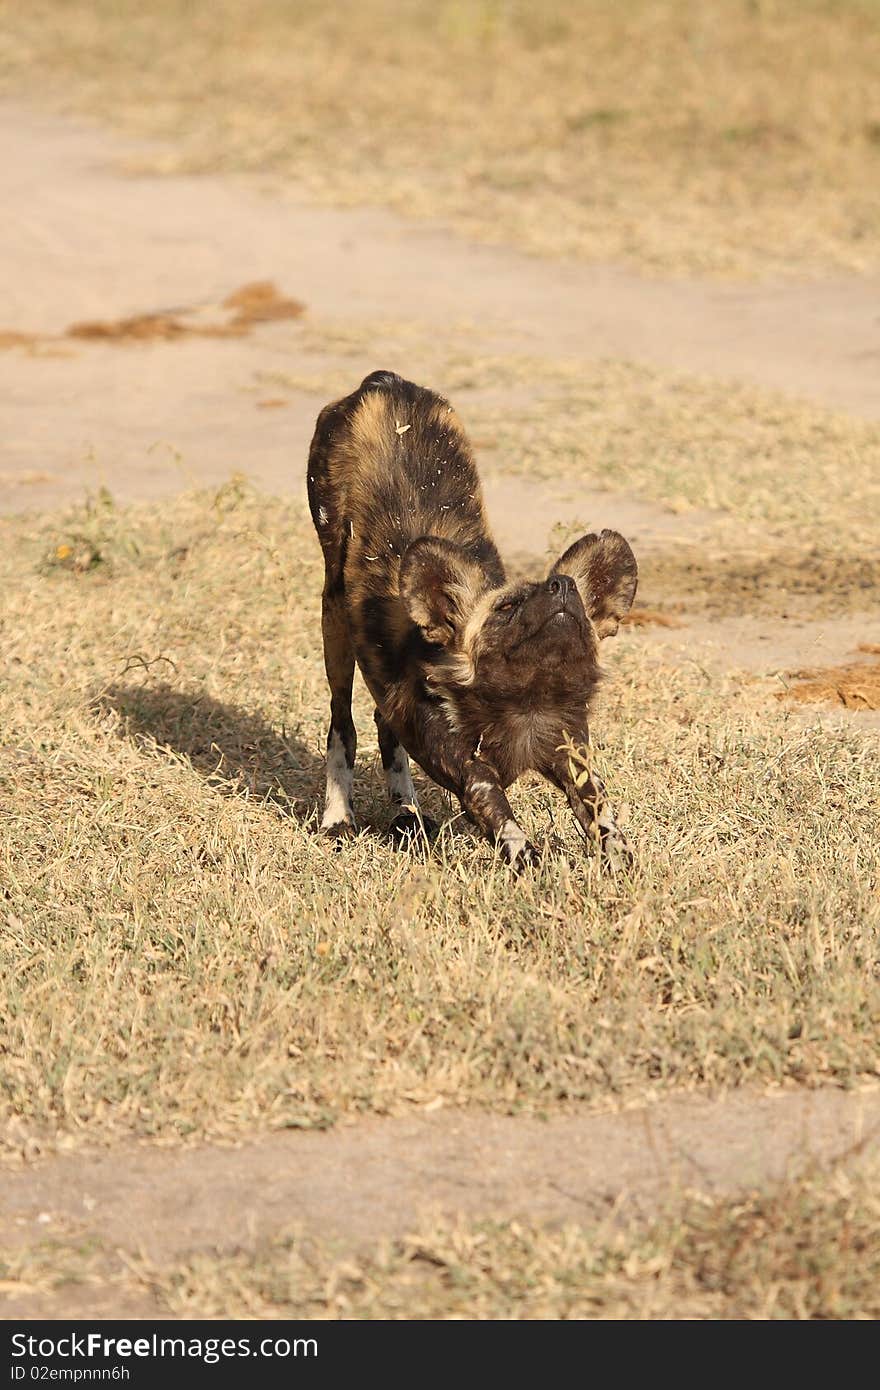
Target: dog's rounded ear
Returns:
[[439, 585], [606, 574]]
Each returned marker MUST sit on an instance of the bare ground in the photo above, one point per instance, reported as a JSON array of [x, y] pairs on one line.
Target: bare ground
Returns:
[[359, 1182], [377, 1179], [90, 242], [85, 242]]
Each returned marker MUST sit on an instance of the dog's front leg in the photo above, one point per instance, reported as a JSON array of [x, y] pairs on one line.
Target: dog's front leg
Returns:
[[478, 788], [484, 802], [586, 797]]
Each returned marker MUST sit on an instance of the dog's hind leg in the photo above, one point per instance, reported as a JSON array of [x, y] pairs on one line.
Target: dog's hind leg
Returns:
[[338, 818], [408, 820]]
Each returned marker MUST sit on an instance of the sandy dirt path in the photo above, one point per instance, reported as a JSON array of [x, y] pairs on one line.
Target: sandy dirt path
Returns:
[[378, 1177], [353, 1186], [82, 240]]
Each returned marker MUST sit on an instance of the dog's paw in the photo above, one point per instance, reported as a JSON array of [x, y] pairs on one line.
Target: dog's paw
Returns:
[[408, 829], [616, 853], [519, 852], [527, 856], [339, 832]]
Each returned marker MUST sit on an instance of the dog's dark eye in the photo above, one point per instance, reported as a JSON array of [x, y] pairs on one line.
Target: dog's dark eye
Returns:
[[505, 607]]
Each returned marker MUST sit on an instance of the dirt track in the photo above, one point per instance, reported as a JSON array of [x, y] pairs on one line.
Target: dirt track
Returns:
[[84, 242], [378, 1178]]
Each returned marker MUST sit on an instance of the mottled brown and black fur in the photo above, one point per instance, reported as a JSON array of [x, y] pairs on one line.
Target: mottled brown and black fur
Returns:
[[476, 678]]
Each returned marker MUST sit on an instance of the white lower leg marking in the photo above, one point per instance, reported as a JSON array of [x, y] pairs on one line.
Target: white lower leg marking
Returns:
[[512, 838], [337, 803], [615, 846], [399, 781]]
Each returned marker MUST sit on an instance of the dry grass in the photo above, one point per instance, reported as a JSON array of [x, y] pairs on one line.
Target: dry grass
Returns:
[[780, 499], [774, 466], [804, 1249], [182, 956], [734, 137]]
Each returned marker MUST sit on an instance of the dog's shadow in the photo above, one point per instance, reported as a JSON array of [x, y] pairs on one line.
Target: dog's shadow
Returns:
[[237, 752]]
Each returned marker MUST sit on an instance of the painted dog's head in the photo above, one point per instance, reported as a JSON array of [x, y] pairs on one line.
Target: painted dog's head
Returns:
[[504, 659]]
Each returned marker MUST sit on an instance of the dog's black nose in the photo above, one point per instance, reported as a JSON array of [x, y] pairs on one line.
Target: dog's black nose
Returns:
[[560, 586]]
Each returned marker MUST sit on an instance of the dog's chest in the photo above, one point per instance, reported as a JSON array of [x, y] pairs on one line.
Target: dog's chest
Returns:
[[521, 739]]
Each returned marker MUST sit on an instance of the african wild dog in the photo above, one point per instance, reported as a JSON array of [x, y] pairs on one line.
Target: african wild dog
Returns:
[[477, 678]]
